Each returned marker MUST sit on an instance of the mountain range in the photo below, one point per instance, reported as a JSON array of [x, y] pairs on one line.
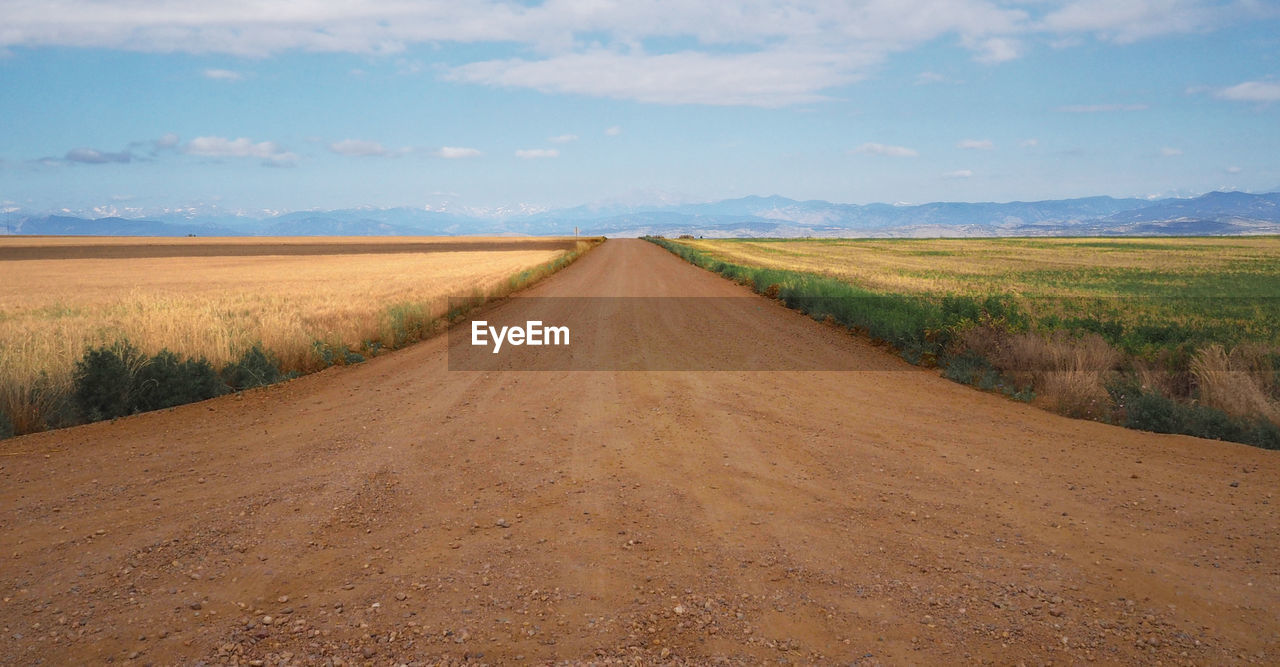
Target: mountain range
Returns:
[[1214, 213]]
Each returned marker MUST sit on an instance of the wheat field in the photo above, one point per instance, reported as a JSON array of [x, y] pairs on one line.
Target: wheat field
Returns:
[[1222, 283], [216, 306], [1039, 267]]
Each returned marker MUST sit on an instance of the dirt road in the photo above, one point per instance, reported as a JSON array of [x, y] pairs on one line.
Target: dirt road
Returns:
[[399, 511]]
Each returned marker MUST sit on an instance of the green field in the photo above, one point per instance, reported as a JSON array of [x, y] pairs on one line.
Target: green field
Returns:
[[1201, 290], [1169, 334]]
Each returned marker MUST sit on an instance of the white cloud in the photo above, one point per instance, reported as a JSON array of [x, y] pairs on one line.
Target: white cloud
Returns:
[[886, 150], [1234, 170], [1251, 91], [1170, 152], [357, 147], [976, 144], [959, 173], [563, 138], [1133, 20], [269, 152], [765, 79], [1101, 108], [223, 75], [764, 53], [536, 153], [455, 152], [995, 50], [93, 156], [169, 140], [612, 131], [780, 51], [925, 78], [387, 26], [1029, 143]]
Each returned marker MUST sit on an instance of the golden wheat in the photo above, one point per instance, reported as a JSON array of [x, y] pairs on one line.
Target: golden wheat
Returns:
[[216, 307]]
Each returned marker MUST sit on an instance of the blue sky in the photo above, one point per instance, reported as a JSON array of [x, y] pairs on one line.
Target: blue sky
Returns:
[[148, 106]]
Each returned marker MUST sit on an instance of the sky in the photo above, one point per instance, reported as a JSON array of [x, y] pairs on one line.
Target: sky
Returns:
[[142, 106]]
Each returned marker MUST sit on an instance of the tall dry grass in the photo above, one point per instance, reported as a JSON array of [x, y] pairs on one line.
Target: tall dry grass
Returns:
[[1069, 374], [51, 311], [1236, 382], [1073, 372]]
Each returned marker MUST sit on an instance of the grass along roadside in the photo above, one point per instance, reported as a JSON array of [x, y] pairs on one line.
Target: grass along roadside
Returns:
[[1190, 374], [240, 316]]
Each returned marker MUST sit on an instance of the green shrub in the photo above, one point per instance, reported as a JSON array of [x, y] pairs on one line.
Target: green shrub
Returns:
[[967, 367], [103, 381], [166, 380], [1264, 434], [990, 380], [117, 380], [254, 368], [324, 353], [329, 355], [1151, 411], [913, 353], [971, 368], [1206, 422]]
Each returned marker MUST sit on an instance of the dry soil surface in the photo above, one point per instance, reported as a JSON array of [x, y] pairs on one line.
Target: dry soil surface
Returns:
[[396, 511]]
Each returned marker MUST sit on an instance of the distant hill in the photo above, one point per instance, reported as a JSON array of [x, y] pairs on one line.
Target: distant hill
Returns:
[[1216, 206], [59, 225], [1215, 213], [321, 225]]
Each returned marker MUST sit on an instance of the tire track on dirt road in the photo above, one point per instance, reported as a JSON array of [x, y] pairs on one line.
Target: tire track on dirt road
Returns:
[[399, 511]]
